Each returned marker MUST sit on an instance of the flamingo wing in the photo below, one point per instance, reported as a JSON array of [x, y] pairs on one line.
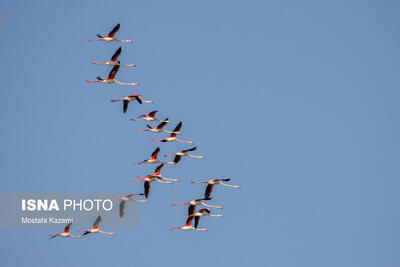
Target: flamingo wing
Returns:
[[66, 230], [161, 125], [177, 159], [122, 208], [153, 113], [191, 209], [146, 188], [208, 192], [196, 221], [113, 72], [158, 169], [155, 153], [126, 104], [97, 222], [189, 221], [138, 98], [188, 150], [116, 54], [113, 31]]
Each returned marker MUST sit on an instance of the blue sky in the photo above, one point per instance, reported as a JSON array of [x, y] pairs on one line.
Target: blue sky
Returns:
[[296, 101]]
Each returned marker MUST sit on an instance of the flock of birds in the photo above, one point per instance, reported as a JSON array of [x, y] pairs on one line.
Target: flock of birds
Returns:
[[156, 176]]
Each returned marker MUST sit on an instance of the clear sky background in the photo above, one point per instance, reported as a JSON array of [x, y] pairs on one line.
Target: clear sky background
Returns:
[[296, 101]]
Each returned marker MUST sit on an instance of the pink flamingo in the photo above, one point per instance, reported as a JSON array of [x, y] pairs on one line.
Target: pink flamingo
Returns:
[[113, 61], [179, 155], [153, 159], [172, 137], [125, 199], [149, 117], [66, 233], [128, 99], [111, 78], [95, 228], [188, 226], [211, 184], [110, 36]]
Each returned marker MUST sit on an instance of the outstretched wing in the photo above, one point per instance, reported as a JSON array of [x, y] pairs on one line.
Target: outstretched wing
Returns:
[[97, 222], [116, 54], [189, 221], [66, 230], [158, 169], [155, 153], [161, 125], [208, 192], [112, 33], [153, 113], [146, 188], [188, 150], [196, 221], [177, 159], [126, 104], [113, 72], [191, 209], [122, 209], [138, 98], [178, 127]]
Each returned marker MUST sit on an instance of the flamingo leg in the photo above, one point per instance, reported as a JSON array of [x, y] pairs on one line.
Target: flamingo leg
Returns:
[[187, 142], [236, 186], [211, 206], [133, 84], [107, 233], [198, 157]]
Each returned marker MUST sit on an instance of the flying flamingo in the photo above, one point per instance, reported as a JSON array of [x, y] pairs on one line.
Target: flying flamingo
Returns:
[[211, 184], [110, 37], [128, 99], [157, 129], [149, 117], [113, 61], [188, 226], [66, 233], [179, 155], [111, 77], [126, 199], [157, 174], [203, 212], [153, 159], [172, 137], [95, 228], [147, 180], [192, 205]]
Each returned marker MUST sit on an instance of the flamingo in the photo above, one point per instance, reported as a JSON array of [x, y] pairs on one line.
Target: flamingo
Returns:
[[157, 129], [188, 226], [126, 199], [153, 159], [203, 212], [128, 99], [111, 77], [172, 137], [110, 37], [147, 180], [211, 184], [113, 61], [157, 174], [66, 232], [149, 117], [95, 228], [192, 205], [179, 155]]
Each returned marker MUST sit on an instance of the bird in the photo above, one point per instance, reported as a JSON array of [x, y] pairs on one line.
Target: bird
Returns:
[[203, 212], [128, 99], [157, 129], [110, 36], [211, 184], [188, 226], [125, 199], [149, 117], [172, 137], [111, 78], [157, 174], [95, 228], [147, 180], [113, 61], [66, 232], [153, 159], [192, 205], [179, 155]]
